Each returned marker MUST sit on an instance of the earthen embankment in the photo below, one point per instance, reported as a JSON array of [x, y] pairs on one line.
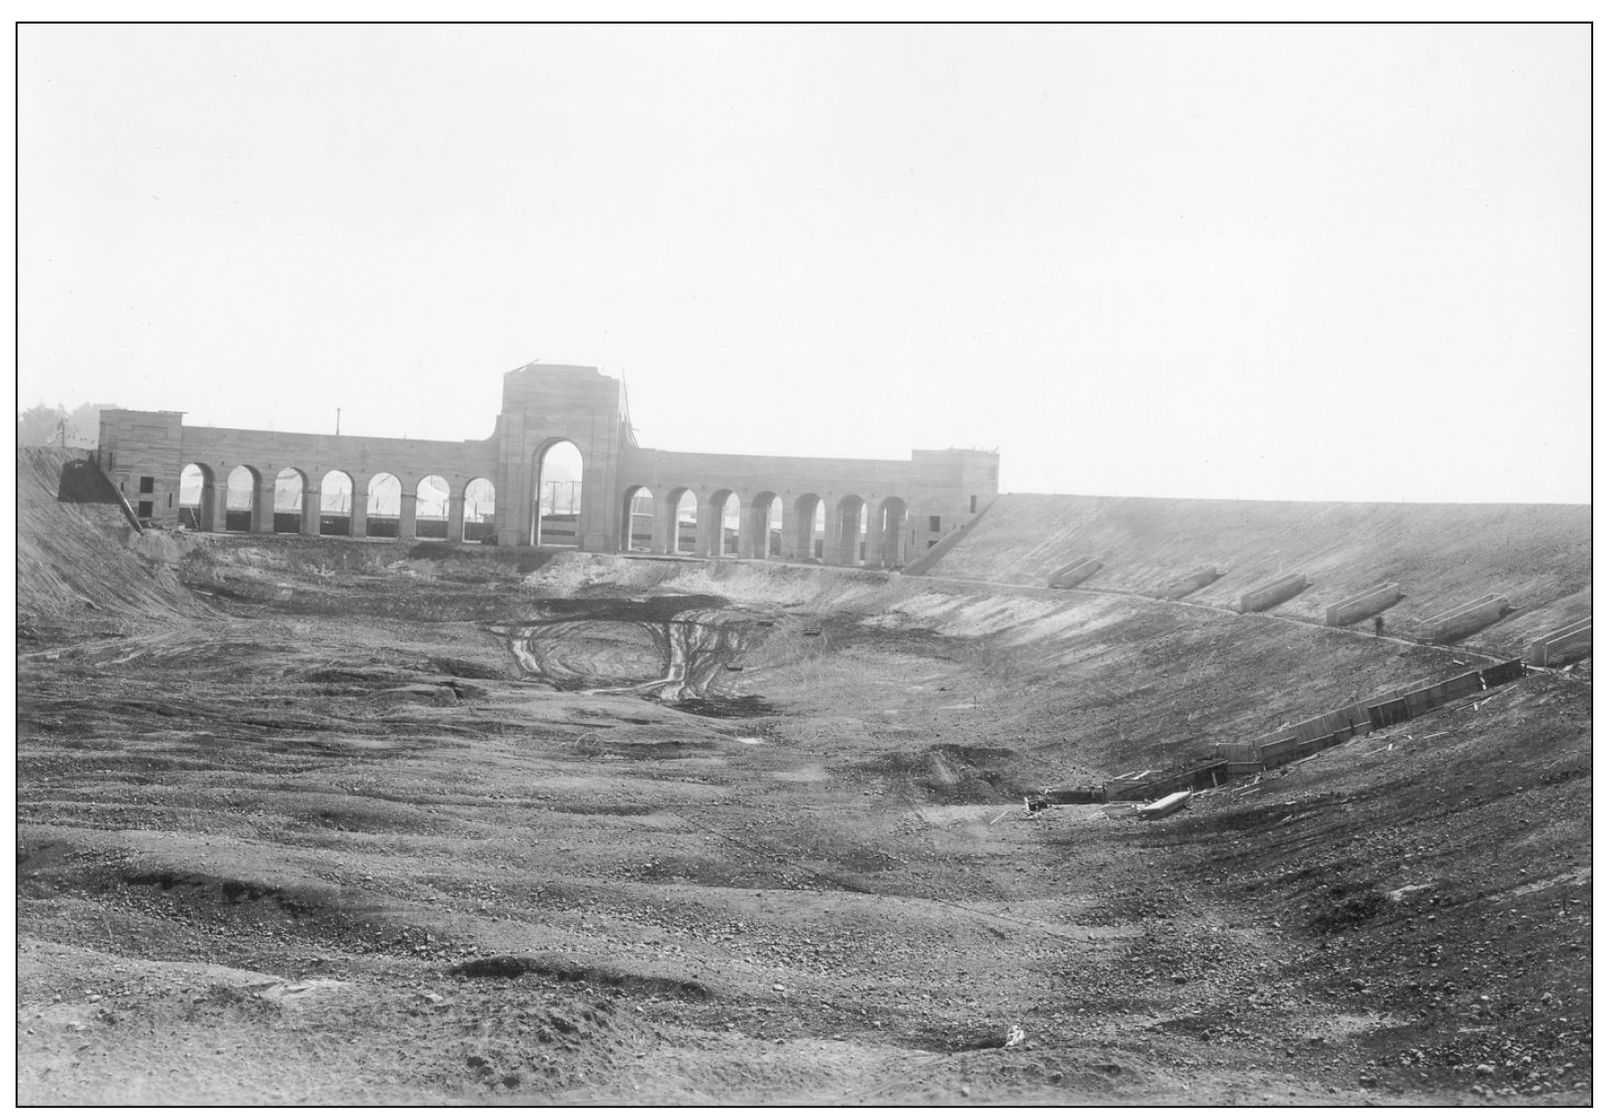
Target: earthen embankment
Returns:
[[1441, 555]]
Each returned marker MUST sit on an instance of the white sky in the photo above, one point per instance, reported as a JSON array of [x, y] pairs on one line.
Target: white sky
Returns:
[[1258, 262]]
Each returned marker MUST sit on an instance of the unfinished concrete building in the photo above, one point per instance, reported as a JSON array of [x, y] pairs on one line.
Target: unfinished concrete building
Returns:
[[840, 511]]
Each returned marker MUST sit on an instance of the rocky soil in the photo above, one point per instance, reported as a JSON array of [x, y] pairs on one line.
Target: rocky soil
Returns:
[[338, 835]]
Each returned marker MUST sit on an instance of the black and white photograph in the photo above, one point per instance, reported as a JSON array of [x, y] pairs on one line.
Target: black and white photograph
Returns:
[[809, 564]]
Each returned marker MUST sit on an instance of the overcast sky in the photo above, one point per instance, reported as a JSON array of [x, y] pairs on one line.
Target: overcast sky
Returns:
[[1259, 262]]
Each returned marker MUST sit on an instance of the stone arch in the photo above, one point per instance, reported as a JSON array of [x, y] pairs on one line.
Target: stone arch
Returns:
[[680, 508], [807, 534], [762, 530], [715, 513], [557, 487], [888, 533], [291, 484], [243, 494], [637, 529], [383, 506], [432, 496], [200, 505], [478, 504], [336, 503], [851, 517]]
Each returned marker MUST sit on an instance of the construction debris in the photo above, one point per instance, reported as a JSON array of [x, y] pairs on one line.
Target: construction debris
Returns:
[[1164, 807]]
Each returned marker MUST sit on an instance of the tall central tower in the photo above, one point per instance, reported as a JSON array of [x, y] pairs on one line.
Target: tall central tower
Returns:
[[549, 403]]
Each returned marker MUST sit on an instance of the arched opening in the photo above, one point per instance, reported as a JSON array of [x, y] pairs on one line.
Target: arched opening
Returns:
[[431, 508], [721, 531], [335, 503], [198, 498], [638, 520], [851, 517], [241, 498], [289, 484], [679, 509], [479, 509], [807, 544], [888, 536], [383, 505], [763, 533], [557, 495]]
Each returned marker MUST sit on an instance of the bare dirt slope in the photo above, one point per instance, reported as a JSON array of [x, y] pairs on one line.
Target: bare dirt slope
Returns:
[[753, 834], [80, 565], [1442, 555]]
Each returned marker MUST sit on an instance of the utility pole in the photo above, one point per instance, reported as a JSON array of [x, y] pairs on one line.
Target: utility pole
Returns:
[[339, 421]]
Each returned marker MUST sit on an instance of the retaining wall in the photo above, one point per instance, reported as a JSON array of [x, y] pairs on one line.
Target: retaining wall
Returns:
[[1191, 584], [1074, 574], [1564, 645], [1462, 621], [1287, 751], [1201, 777], [1349, 719], [1363, 605], [1273, 593], [1296, 741]]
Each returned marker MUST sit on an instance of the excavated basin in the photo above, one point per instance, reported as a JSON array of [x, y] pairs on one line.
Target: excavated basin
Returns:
[[665, 649]]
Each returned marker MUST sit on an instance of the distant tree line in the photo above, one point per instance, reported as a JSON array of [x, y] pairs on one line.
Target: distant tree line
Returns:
[[44, 425]]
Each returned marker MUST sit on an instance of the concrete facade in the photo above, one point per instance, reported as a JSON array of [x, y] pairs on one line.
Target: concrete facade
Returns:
[[874, 512]]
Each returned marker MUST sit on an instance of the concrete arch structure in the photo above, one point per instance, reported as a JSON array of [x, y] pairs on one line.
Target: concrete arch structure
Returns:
[[564, 512], [843, 532], [709, 524], [259, 501], [336, 500], [909, 505], [433, 496], [756, 526], [296, 507], [380, 521], [801, 527], [638, 517], [888, 533], [673, 537], [207, 514], [477, 502]]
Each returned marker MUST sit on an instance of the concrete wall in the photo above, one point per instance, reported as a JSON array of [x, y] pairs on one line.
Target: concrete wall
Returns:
[[1191, 583], [139, 449], [876, 512], [1296, 741], [131, 451], [1074, 574], [1273, 593], [1200, 776], [1462, 621], [1362, 605], [1564, 645]]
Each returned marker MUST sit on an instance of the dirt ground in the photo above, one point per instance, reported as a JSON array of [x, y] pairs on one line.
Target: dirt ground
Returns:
[[373, 824]]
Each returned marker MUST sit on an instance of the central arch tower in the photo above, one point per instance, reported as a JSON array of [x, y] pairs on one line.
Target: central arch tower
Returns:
[[550, 403]]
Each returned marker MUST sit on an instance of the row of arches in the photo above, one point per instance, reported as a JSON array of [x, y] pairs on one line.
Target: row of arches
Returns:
[[849, 531], [247, 499], [833, 529]]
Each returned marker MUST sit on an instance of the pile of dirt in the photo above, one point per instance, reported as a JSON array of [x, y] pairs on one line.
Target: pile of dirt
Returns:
[[81, 565]]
